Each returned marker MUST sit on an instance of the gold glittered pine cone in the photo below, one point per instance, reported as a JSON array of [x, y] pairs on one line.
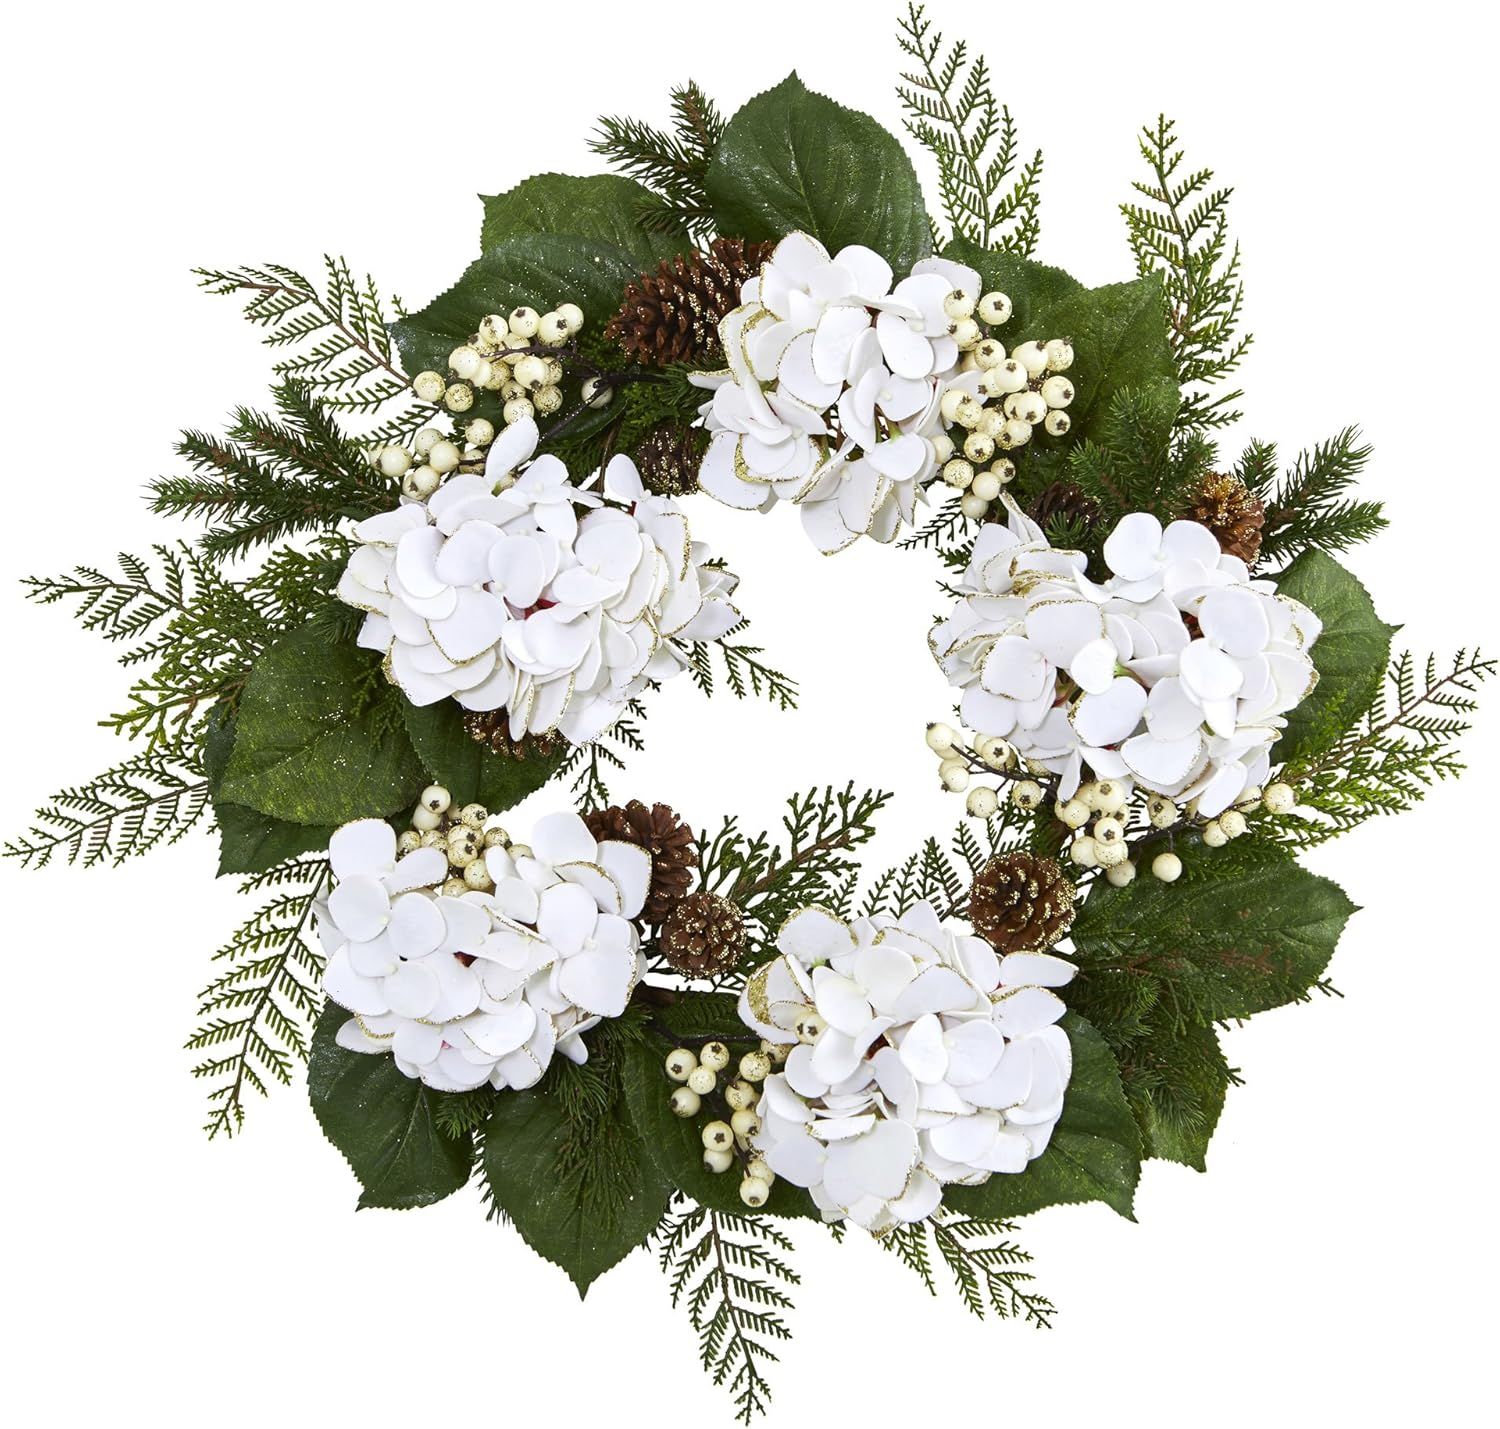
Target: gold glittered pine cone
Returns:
[[704, 935], [1233, 512], [492, 729], [673, 314], [669, 841], [1022, 903], [668, 458]]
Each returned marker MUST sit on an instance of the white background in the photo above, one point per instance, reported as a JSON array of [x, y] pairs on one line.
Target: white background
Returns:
[[1339, 1258]]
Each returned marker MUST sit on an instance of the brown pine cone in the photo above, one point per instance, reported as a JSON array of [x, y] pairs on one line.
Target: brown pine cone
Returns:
[[673, 314], [1021, 903], [704, 935], [1233, 512], [492, 728], [668, 459], [1064, 499], [669, 841]]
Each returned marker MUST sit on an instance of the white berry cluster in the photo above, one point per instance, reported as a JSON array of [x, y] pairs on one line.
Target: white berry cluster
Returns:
[[465, 985], [728, 1140], [461, 834], [493, 591], [1016, 393], [1174, 676], [433, 455], [513, 355], [922, 1059], [831, 395]]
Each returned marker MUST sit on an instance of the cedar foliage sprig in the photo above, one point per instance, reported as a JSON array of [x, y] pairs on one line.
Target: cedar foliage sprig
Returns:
[[987, 1266], [1402, 747], [1182, 231], [337, 337], [673, 162], [952, 112], [1308, 508], [745, 673], [586, 764], [812, 861], [153, 798], [257, 1015], [729, 1272]]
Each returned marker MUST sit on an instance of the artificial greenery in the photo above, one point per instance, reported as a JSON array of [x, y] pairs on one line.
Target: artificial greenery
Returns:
[[252, 706]]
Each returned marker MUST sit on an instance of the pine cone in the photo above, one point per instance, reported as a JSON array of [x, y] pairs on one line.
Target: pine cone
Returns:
[[1233, 512], [669, 841], [492, 728], [668, 459], [672, 315], [1064, 499], [1021, 903], [704, 935]]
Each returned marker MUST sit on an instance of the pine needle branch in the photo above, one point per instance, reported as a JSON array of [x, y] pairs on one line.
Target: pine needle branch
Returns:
[[672, 162], [1307, 508]]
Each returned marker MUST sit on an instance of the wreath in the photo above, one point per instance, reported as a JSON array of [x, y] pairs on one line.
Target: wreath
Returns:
[[452, 559]]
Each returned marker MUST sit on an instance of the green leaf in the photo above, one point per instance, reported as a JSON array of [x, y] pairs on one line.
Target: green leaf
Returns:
[[676, 1144], [555, 1210], [383, 1123], [794, 160], [535, 270], [1179, 1126], [317, 740], [249, 841], [1031, 287], [1350, 655], [601, 206], [1119, 339], [1095, 1151], [466, 768], [1245, 929]]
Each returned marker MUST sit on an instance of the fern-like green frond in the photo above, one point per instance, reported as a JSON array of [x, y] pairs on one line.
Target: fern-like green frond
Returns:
[[1182, 231], [952, 112], [1404, 745], [335, 335], [152, 799], [729, 1272], [257, 1014]]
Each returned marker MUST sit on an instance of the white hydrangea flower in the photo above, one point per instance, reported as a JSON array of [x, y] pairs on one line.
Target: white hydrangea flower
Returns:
[[494, 592], [935, 1061], [830, 397], [1176, 673], [485, 987]]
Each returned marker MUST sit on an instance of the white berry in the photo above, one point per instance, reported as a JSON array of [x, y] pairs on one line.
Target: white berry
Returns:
[[940, 738], [1121, 874], [702, 1080], [429, 386], [754, 1192], [994, 309], [983, 803], [685, 1103], [680, 1064], [1167, 867], [1279, 799], [718, 1162], [755, 1066], [718, 1136]]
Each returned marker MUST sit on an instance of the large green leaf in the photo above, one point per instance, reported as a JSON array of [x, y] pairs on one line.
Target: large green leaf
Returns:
[[584, 1228], [599, 206], [1031, 287], [466, 768], [1095, 1151], [249, 841], [794, 160], [535, 270], [1119, 337], [383, 1123], [1245, 929], [318, 739], [1350, 655], [676, 1143]]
